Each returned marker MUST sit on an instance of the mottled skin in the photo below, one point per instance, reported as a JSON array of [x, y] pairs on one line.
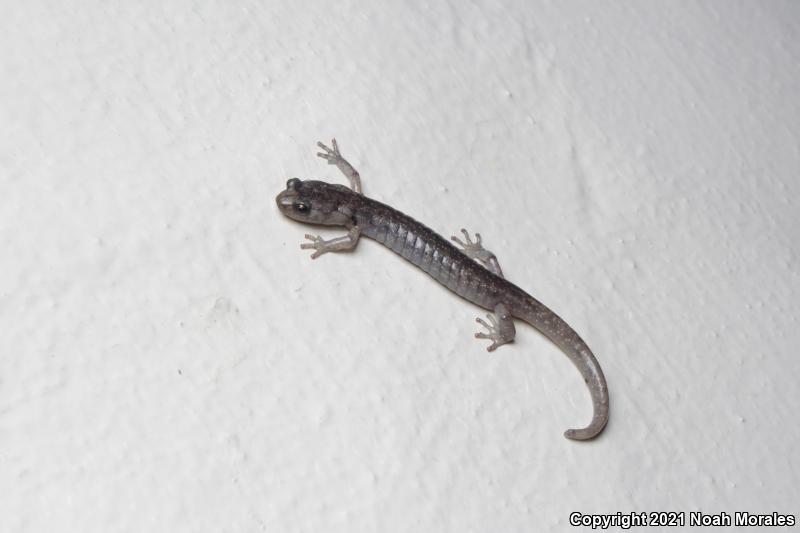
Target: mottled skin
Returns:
[[471, 272]]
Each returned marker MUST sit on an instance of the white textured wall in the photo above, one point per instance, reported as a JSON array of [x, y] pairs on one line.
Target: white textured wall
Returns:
[[170, 360]]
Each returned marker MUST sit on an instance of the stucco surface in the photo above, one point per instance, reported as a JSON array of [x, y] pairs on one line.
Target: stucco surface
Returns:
[[170, 360]]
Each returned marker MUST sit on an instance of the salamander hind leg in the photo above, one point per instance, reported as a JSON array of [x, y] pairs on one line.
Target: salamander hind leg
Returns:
[[500, 327], [476, 251]]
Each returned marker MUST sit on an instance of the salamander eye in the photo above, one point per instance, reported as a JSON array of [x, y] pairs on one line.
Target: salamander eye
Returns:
[[301, 207], [292, 184]]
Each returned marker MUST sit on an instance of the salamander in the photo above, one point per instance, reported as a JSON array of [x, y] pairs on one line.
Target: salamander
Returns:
[[468, 270]]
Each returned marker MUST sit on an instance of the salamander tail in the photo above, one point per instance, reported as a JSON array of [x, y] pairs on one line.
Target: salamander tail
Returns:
[[563, 336]]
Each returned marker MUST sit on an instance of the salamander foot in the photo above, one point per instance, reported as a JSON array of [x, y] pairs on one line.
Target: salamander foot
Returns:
[[501, 330]]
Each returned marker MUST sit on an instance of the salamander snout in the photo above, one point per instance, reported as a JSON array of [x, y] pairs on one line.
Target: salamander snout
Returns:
[[286, 199], [294, 204], [313, 202]]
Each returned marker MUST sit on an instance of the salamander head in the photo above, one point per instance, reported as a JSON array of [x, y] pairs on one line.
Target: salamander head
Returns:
[[314, 202]]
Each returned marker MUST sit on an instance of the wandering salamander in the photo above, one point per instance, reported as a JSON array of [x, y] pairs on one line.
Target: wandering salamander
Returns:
[[472, 272]]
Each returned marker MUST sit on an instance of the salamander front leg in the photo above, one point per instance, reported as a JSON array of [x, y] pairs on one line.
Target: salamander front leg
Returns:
[[339, 244], [334, 157], [476, 251], [501, 329]]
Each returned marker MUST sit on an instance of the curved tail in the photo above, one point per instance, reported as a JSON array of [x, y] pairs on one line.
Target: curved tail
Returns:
[[554, 328]]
